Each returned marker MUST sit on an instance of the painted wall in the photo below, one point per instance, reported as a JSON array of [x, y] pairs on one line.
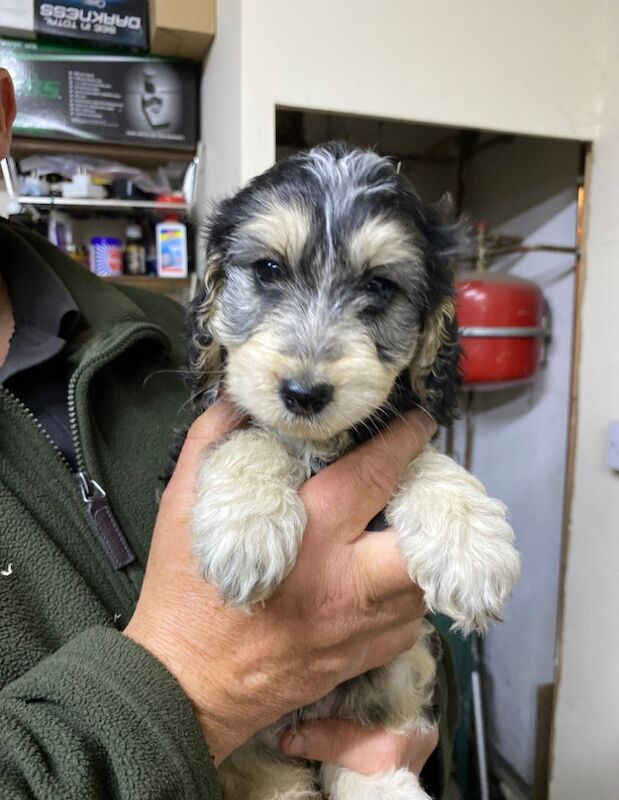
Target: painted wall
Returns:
[[220, 104], [587, 720]]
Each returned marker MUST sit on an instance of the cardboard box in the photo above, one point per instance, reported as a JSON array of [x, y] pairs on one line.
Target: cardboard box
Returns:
[[66, 93], [182, 28], [98, 23], [17, 18]]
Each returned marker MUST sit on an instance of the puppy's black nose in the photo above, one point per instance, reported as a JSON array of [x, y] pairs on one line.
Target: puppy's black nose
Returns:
[[304, 399]]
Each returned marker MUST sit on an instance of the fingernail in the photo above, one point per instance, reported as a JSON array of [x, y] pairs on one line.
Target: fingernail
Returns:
[[296, 745]]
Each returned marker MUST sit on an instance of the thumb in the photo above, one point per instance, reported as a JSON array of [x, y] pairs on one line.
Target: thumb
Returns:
[[347, 744], [370, 751], [321, 740]]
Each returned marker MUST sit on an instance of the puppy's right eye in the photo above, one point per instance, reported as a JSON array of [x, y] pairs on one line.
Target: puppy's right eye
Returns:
[[267, 271]]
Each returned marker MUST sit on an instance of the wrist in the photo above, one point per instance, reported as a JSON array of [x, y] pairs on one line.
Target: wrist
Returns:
[[223, 727]]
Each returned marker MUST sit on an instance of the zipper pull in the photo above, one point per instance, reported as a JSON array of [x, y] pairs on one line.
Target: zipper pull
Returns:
[[108, 531]]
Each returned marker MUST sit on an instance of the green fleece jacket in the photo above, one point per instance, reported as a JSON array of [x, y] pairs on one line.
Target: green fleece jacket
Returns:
[[85, 712]]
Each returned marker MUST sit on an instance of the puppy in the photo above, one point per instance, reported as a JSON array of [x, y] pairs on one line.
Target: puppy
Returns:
[[327, 308]]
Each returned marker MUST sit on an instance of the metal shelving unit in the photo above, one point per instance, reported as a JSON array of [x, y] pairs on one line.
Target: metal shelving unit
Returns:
[[148, 158], [144, 157], [100, 205]]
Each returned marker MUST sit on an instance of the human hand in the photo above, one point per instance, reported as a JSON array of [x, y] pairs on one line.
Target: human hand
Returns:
[[370, 751], [347, 606]]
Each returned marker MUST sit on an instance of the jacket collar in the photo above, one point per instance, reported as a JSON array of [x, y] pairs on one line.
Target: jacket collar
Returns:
[[43, 310]]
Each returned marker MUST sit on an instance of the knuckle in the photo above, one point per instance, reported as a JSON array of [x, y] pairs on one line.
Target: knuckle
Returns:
[[335, 665]]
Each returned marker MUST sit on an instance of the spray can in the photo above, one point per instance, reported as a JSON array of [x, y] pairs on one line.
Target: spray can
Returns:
[[135, 253]]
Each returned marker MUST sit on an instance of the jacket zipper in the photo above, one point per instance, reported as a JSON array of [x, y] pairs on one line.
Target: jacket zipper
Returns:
[[100, 515], [106, 527]]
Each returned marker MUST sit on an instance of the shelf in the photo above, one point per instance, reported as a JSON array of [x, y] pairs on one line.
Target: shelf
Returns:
[[101, 205], [139, 156], [179, 289], [149, 281]]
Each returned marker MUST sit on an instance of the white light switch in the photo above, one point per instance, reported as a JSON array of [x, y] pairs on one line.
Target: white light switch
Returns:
[[613, 445]]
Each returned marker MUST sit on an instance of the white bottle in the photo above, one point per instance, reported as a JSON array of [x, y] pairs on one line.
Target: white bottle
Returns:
[[171, 236]]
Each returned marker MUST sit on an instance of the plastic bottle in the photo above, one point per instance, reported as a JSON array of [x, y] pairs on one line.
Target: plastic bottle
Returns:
[[135, 253], [171, 240]]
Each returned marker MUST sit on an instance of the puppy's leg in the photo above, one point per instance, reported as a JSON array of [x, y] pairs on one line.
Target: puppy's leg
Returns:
[[253, 772], [397, 697], [248, 519], [344, 784], [456, 541]]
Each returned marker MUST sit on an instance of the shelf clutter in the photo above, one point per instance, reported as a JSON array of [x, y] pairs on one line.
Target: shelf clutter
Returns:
[[113, 218], [105, 151]]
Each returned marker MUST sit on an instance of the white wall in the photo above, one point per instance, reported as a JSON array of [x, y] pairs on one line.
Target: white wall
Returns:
[[586, 751], [220, 96]]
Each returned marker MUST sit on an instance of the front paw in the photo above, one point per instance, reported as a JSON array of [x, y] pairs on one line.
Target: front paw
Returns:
[[248, 520], [245, 558], [456, 541]]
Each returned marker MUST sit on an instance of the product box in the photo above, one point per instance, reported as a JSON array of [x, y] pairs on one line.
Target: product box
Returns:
[[183, 28], [98, 23], [67, 93], [17, 18]]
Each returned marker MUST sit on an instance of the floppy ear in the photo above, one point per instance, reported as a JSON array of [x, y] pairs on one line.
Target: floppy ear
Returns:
[[206, 357], [434, 371]]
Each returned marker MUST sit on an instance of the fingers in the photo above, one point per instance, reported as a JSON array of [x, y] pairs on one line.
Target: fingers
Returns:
[[396, 640], [382, 569], [346, 495], [369, 751]]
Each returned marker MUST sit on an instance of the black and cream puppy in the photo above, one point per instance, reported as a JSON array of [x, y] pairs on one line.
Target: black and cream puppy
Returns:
[[326, 308]]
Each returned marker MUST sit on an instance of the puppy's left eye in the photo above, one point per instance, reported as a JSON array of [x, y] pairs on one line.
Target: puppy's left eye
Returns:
[[381, 289], [267, 271]]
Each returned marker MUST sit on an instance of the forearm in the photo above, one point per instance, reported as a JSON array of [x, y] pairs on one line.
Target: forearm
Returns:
[[101, 718]]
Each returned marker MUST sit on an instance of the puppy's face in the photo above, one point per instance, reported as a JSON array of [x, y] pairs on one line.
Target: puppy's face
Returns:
[[323, 278]]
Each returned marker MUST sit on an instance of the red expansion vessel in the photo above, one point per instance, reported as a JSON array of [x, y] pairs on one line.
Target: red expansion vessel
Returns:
[[502, 329]]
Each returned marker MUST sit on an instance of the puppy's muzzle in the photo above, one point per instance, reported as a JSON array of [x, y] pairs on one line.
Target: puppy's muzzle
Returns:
[[305, 399]]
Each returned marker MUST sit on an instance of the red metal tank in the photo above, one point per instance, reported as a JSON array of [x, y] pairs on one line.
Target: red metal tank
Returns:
[[502, 329]]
